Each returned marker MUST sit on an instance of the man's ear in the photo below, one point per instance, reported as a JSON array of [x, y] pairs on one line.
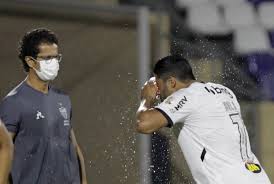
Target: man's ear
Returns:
[[29, 60], [172, 82]]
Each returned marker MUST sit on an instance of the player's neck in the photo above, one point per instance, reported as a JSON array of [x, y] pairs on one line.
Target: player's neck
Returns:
[[182, 85], [36, 83]]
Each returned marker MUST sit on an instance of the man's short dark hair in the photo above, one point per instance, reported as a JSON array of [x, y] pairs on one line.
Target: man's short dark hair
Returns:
[[174, 66], [29, 45]]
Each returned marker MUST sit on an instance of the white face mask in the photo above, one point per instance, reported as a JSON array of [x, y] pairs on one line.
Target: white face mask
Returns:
[[48, 69]]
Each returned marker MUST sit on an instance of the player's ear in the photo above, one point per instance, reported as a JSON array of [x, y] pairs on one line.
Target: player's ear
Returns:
[[172, 82], [30, 61]]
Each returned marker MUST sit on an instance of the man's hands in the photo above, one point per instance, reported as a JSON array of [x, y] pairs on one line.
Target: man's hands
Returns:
[[149, 91], [148, 119]]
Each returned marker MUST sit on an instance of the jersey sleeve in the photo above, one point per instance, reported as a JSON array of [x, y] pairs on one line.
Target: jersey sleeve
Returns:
[[176, 108], [10, 113]]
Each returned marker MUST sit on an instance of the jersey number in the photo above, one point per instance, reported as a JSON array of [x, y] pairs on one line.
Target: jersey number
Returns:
[[244, 141]]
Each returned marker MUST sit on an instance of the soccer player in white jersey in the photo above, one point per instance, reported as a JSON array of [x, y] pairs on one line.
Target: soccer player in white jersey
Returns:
[[212, 135]]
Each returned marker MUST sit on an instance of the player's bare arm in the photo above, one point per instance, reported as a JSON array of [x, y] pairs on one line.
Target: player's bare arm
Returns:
[[80, 157], [12, 135], [6, 154], [149, 119]]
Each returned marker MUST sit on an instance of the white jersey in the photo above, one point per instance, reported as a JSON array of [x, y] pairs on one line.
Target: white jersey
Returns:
[[213, 138]]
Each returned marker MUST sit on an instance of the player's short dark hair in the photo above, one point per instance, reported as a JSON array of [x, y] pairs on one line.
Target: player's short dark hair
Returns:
[[174, 66], [29, 44]]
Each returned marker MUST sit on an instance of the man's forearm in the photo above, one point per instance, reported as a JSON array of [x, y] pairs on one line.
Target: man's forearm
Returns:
[[142, 114], [82, 165], [144, 105], [6, 154], [80, 157]]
